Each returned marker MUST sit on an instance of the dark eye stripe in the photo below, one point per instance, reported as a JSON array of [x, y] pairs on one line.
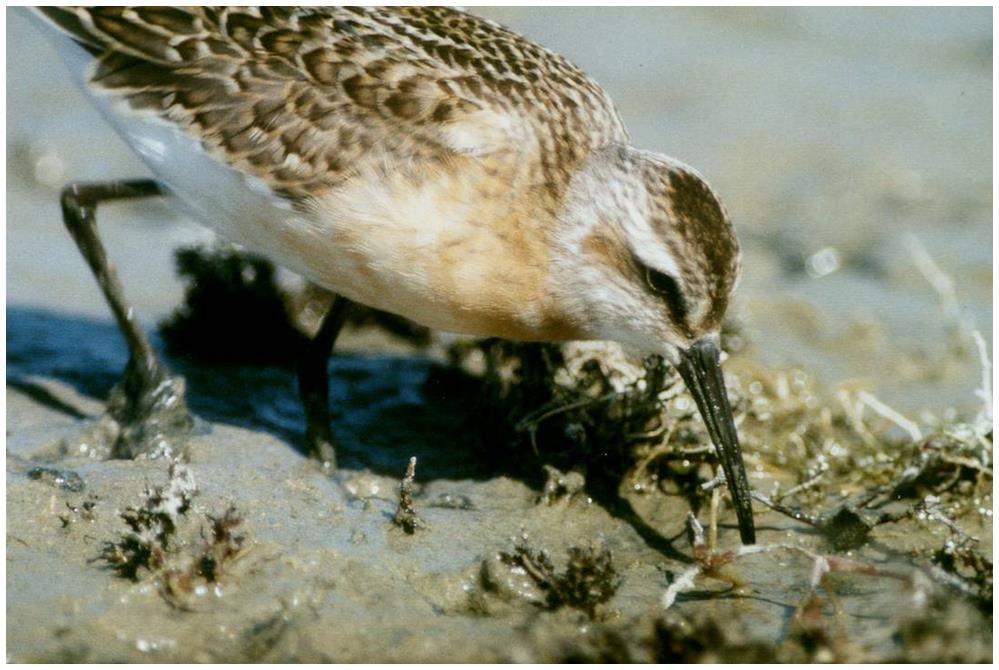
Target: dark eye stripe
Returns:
[[667, 287]]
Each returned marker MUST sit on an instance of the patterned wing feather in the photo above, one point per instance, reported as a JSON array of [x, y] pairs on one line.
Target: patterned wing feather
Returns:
[[302, 97]]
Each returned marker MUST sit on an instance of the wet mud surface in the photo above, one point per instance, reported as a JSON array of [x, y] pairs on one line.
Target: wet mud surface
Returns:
[[503, 565]]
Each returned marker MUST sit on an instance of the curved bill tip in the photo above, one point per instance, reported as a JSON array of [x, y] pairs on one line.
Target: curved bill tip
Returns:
[[700, 369]]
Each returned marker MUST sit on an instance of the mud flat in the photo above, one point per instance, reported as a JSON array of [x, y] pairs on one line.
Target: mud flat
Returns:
[[513, 559]]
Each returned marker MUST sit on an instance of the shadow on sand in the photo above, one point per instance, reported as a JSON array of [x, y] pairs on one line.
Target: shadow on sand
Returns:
[[381, 411], [385, 408]]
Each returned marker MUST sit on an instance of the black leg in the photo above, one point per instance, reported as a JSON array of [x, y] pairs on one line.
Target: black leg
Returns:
[[313, 383], [147, 406]]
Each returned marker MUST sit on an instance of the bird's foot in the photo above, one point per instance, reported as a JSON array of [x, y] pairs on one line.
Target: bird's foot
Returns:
[[146, 417], [319, 442]]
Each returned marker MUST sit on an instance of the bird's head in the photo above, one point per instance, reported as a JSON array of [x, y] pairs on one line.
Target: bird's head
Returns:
[[645, 255]]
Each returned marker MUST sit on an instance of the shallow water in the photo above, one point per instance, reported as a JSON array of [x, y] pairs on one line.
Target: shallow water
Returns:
[[833, 135]]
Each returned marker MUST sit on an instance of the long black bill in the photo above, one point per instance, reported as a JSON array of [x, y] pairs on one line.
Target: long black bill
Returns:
[[701, 371]]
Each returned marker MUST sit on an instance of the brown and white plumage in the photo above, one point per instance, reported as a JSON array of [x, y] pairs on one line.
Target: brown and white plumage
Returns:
[[426, 162], [349, 113], [299, 97]]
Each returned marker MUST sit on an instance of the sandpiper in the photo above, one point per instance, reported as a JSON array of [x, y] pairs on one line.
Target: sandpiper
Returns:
[[422, 161]]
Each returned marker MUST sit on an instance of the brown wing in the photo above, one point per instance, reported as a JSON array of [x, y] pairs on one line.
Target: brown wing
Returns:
[[300, 97]]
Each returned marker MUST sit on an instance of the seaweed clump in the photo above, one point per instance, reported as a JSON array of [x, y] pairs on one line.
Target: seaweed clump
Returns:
[[841, 461], [223, 545], [233, 311], [968, 570], [580, 407], [152, 526], [943, 631], [156, 544], [588, 581], [205, 564], [946, 631], [704, 639], [940, 629]]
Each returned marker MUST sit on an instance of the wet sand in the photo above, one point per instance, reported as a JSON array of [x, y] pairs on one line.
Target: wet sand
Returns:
[[323, 573]]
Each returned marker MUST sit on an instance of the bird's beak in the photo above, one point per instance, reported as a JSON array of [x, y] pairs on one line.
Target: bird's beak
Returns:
[[701, 371]]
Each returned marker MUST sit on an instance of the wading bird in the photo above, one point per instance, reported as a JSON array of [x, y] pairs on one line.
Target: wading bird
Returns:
[[422, 161]]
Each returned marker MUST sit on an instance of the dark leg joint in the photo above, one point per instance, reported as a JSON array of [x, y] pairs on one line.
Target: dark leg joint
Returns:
[[87, 194]]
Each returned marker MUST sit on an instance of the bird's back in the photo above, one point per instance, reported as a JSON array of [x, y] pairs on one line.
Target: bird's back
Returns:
[[301, 98]]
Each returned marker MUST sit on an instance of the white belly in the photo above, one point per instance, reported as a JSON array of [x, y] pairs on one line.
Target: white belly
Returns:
[[238, 207]]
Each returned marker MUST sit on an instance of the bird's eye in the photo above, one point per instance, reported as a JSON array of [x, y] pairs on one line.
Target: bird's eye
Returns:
[[666, 286]]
